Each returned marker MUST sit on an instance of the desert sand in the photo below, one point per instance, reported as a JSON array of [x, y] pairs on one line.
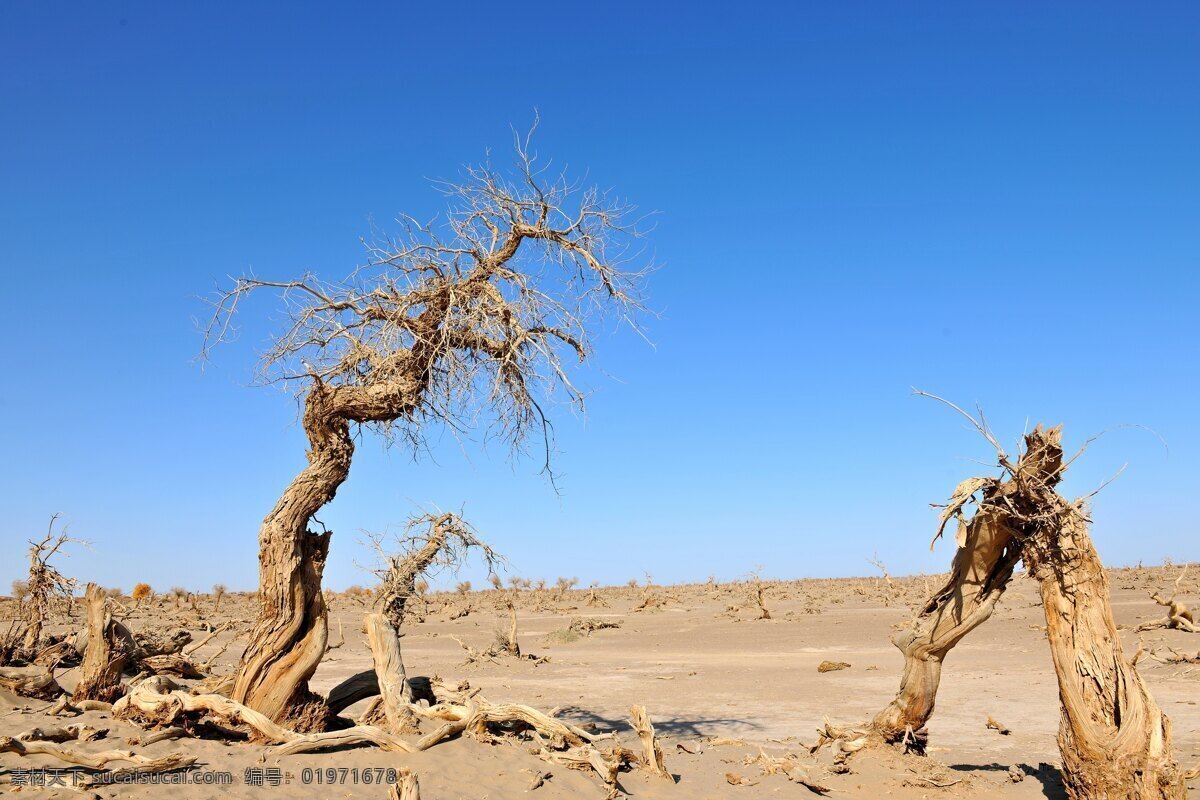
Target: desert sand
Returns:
[[721, 686]]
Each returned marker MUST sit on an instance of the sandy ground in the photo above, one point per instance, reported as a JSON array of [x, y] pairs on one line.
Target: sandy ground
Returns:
[[708, 672]]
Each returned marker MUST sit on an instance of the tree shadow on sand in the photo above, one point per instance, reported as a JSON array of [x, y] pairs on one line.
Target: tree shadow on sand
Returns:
[[1048, 775], [664, 726]]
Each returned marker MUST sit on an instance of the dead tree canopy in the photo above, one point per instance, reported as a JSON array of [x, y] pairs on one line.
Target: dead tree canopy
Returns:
[[473, 318], [45, 582], [431, 542]]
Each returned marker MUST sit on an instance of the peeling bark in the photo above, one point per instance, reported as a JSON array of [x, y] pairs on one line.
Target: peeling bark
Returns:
[[1114, 739], [982, 569], [988, 551]]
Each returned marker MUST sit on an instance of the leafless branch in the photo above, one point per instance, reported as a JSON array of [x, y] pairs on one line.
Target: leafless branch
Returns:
[[474, 315]]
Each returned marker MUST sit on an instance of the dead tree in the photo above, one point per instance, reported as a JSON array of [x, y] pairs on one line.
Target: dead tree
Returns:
[[757, 594], [218, 591], [106, 653], [45, 582], [431, 542], [447, 324], [1114, 739], [891, 590], [983, 565], [506, 640], [1179, 616]]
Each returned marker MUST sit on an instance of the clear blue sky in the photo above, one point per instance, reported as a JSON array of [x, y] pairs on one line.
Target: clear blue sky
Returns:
[[995, 202]]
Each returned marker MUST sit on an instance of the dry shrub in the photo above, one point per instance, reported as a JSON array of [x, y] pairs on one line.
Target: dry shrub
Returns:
[[20, 590]]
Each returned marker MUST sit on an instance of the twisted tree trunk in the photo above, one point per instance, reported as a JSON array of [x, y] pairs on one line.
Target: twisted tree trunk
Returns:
[[289, 639], [1114, 739], [982, 569]]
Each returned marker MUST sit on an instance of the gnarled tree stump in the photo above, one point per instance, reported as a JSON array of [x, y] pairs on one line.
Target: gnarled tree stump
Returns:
[[107, 652]]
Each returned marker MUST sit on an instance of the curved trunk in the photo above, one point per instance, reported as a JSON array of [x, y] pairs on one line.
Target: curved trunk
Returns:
[[983, 566], [1115, 741], [289, 638]]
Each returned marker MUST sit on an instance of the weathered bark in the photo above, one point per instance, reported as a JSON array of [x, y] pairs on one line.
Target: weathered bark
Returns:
[[983, 566], [652, 754], [989, 548], [1114, 739], [406, 786], [33, 633], [104, 661], [389, 672], [289, 638]]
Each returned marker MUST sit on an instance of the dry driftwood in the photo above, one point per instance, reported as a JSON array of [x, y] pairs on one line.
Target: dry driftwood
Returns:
[[170, 664], [82, 733], [365, 684], [65, 706], [588, 758], [787, 767], [357, 687], [194, 646], [589, 625]]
